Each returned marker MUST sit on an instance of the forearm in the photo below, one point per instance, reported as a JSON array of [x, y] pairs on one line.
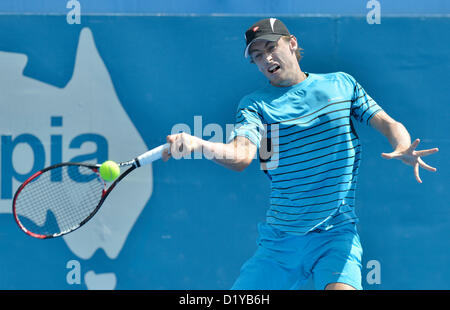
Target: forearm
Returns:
[[236, 155], [394, 131], [398, 136]]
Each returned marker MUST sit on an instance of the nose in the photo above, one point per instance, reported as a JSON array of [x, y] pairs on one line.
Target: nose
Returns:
[[267, 57]]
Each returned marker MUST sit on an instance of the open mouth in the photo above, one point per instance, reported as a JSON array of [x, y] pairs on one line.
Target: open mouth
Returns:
[[273, 68]]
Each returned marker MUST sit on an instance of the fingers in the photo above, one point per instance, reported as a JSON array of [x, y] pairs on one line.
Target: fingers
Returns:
[[414, 144], [176, 146], [425, 166], [180, 146], [426, 152], [165, 155], [416, 172], [420, 162], [412, 157]]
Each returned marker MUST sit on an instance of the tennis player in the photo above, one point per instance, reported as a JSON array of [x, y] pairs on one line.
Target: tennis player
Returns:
[[306, 120]]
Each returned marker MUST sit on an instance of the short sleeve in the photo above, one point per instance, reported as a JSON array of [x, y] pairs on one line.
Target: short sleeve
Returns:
[[248, 122], [363, 107]]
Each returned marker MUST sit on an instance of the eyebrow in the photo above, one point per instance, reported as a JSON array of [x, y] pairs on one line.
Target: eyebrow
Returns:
[[254, 50]]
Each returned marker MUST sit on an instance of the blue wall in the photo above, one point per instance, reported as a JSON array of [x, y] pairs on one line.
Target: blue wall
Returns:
[[199, 225], [230, 6]]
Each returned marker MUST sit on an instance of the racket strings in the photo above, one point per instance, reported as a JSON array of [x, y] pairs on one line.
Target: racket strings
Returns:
[[46, 207]]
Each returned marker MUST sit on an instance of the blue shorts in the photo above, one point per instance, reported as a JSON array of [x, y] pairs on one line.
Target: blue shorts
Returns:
[[284, 261]]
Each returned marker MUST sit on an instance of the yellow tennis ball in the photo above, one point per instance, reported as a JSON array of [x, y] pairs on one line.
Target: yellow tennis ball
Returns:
[[109, 170]]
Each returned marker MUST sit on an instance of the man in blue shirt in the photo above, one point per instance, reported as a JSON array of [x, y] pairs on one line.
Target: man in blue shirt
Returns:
[[302, 124]]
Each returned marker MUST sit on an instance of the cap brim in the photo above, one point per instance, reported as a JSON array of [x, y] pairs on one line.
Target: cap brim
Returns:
[[267, 37]]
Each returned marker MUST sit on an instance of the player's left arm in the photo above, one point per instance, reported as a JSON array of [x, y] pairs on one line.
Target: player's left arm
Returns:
[[400, 140]]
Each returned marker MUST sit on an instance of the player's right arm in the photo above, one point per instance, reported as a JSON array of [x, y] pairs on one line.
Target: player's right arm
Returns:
[[236, 155]]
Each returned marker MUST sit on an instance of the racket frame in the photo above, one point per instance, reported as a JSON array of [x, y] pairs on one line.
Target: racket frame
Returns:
[[105, 193]]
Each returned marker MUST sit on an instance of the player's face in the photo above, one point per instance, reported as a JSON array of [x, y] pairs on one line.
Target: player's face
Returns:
[[276, 60]]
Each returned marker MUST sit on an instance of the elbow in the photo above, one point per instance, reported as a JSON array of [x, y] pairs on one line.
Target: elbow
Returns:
[[239, 167]]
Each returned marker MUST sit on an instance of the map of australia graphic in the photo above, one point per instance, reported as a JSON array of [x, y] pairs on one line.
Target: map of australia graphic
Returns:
[[89, 122]]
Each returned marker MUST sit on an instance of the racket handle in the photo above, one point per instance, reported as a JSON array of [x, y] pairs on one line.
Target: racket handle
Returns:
[[152, 155]]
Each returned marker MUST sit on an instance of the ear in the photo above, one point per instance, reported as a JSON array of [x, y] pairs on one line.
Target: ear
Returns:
[[293, 43]]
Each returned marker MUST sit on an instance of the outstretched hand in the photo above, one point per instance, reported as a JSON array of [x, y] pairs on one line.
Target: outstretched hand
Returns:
[[412, 157]]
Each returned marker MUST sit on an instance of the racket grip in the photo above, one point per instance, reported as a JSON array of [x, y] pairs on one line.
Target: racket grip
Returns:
[[152, 155]]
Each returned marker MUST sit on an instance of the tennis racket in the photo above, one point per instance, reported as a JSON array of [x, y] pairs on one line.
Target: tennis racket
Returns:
[[61, 198]]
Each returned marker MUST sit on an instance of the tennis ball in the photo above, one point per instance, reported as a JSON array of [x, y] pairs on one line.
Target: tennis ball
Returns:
[[109, 170]]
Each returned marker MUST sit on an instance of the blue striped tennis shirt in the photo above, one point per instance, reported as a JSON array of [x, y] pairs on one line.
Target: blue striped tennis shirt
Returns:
[[314, 150]]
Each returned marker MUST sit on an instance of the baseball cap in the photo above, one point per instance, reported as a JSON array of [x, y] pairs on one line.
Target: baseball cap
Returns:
[[270, 29]]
